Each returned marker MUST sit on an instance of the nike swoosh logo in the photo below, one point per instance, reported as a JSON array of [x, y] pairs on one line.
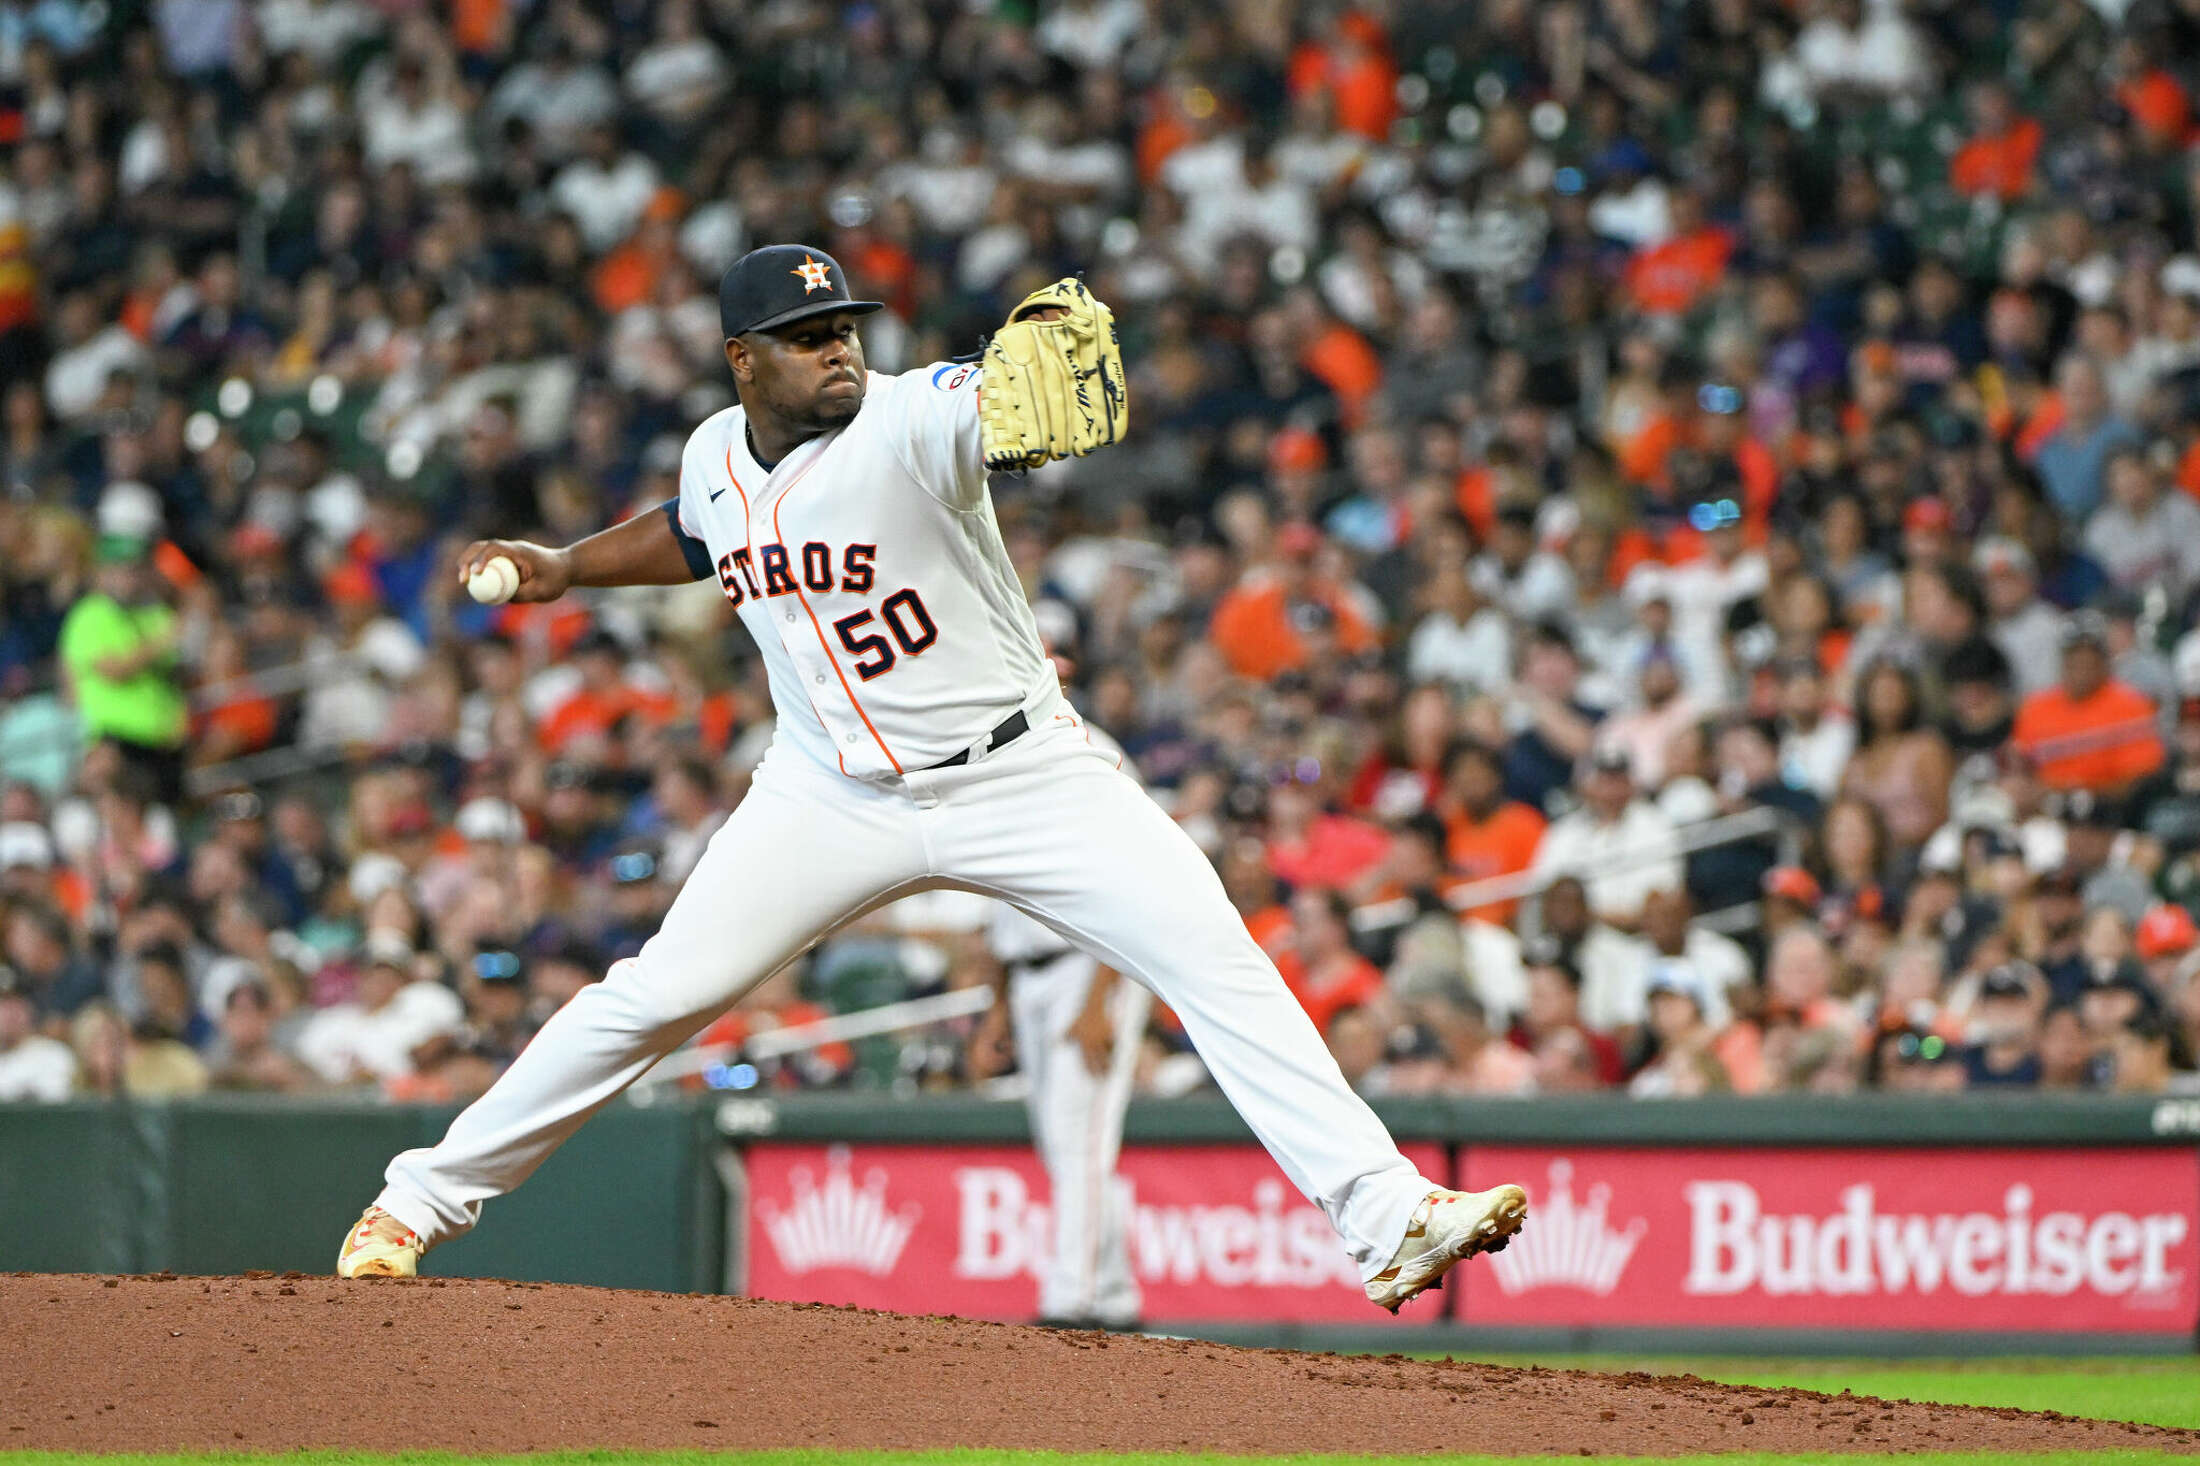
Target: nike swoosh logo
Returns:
[[714, 493]]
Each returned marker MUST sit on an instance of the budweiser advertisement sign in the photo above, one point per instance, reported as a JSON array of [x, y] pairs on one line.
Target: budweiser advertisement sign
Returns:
[[1216, 1233], [2072, 1241]]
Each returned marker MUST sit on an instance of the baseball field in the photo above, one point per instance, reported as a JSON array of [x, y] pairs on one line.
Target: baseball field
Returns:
[[205, 1369]]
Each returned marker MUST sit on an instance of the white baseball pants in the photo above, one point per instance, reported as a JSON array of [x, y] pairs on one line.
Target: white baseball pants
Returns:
[[1077, 1123], [1047, 824]]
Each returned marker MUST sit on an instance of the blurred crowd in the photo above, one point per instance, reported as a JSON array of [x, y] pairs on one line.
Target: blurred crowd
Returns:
[[1658, 549]]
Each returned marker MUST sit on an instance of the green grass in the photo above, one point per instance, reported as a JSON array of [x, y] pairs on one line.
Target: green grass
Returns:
[[1051, 1458], [2152, 1391]]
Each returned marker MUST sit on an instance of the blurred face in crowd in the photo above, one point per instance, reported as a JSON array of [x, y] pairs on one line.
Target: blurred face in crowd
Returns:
[[2078, 382], [2005, 1020], [32, 947], [1553, 1000], [1549, 668], [1665, 921], [1802, 693], [1799, 971], [1318, 932], [1852, 843], [808, 377], [2065, 1048], [167, 995], [2084, 669], [2007, 583], [1356, 1042], [1913, 975], [1747, 759], [2140, 1055], [1564, 1063], [15, 1019], [1889, 704], [1566, 910], [2106, 1007], [1939, 614], [1607, 792], [552, 982], [379, 984], [1473, 780], [2130, 483], [1673, 1016], [248, 1019], [1977, 703]]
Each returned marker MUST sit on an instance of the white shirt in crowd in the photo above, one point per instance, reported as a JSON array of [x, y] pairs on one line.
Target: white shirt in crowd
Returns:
[[77, 376], [38, 1068], [1816, 760], [429, 138], [2032, 641], [605, 202], [322, 29], [1473, 656], [1615, 988], [1638, 853], [1702, 591], [338, 1042], [677, 80]]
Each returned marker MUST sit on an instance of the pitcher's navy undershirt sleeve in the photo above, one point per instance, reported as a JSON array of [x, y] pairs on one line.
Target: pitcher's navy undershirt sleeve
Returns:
[[695, 551]]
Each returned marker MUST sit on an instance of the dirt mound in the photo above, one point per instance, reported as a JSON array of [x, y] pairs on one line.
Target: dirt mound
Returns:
[[275, 1363]]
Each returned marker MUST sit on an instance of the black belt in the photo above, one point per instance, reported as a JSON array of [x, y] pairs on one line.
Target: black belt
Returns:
[[1025, 966], [1011, 728]]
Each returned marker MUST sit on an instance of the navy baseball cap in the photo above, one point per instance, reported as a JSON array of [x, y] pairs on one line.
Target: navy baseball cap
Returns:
[[780, 284]]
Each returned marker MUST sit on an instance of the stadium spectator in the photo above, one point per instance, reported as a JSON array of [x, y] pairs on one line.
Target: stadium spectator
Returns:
[[32, 1066], [1482, 407], [1622, 846], [2089, 731]]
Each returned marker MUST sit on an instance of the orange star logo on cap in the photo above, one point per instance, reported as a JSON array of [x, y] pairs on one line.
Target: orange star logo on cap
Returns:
[[816, 275]]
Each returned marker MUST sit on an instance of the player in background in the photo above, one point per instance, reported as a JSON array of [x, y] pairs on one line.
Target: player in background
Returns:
[[1075, 1028], [921, 741]]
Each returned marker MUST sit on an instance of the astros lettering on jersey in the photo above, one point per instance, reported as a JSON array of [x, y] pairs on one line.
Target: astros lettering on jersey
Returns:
[[869, 567]]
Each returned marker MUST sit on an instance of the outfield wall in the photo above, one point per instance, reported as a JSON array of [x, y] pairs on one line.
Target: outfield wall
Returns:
[[1871, 1222]]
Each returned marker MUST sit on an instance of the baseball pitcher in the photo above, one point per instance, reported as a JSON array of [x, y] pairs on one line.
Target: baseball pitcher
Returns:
[[922, 740]]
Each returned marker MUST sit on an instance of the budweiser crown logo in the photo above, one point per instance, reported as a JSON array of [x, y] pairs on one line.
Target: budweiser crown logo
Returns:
[[838, 1224], [1572, 1244]]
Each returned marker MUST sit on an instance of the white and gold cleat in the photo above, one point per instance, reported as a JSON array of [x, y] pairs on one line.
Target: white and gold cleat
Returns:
[[1448, 1227], [380, 1246]]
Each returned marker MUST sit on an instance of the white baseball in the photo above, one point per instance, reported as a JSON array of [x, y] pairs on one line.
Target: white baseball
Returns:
[[494, 583]]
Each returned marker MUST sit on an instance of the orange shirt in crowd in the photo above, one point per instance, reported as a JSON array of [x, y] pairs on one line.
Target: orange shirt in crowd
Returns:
[[1499, 845], [1670, 278], [1271, 928], [1476, 496], [588, 712], [2188, 470], [1252, 629], [1341, 358], [2159, 104], [1352, 983], [1335, 851], [480, 27], [1999, 165], [2101, 743], [1356, 71]]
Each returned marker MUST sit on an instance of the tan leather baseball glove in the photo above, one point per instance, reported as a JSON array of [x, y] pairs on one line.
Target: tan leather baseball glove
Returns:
[[1052, 388]]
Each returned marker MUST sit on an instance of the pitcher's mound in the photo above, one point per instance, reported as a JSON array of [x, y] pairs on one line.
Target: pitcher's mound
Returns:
[[268, 1363]]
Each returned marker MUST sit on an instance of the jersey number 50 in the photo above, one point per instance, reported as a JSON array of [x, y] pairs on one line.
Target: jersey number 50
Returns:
[[904, 615]]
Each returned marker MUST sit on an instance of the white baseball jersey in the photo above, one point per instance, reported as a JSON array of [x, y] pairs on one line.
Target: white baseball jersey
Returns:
[[869, 568]]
